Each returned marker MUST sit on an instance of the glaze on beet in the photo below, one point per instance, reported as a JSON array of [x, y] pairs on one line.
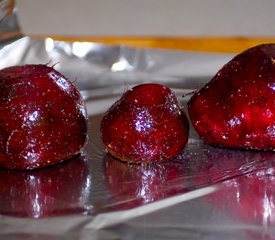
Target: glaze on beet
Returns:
[[236, 109], [43, 120], [146, 124]]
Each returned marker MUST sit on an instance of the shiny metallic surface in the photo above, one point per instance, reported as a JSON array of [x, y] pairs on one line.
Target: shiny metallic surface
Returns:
[[205, 193]]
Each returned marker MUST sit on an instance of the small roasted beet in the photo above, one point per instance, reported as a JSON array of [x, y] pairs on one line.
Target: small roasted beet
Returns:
[[146, 124], [236, 108], [43, 119]]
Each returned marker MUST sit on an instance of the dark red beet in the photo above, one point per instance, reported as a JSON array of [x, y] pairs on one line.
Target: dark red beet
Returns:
[[145, 125], [236, 108], [43, 120]]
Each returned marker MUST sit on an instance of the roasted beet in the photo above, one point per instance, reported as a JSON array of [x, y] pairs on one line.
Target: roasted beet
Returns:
[[236, 108], [43, 120], [147, 124]]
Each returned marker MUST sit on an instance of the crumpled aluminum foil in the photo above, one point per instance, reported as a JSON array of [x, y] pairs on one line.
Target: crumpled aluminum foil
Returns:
[[205, 193]]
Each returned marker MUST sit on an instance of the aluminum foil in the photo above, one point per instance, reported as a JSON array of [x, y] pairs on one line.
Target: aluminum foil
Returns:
[[205, 193]]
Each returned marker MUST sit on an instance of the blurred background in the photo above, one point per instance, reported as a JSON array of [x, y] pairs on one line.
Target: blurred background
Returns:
[[209, 25]]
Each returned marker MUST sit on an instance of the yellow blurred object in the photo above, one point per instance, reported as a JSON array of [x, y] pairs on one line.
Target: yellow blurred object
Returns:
[[202, 44], [10, 6]]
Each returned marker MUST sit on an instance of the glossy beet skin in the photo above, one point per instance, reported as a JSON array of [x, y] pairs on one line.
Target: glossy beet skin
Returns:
[[43, 120], [236, 108], [146, 124]]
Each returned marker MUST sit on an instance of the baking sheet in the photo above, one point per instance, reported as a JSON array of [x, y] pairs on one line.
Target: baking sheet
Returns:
[[205, 193]]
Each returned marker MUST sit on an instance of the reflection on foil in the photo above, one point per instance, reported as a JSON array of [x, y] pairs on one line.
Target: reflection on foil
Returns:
[[133, 185], [110, 219], [250, 199], [121, 65], [49, 44], [198, 166], [81, 49], [60, 190]]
